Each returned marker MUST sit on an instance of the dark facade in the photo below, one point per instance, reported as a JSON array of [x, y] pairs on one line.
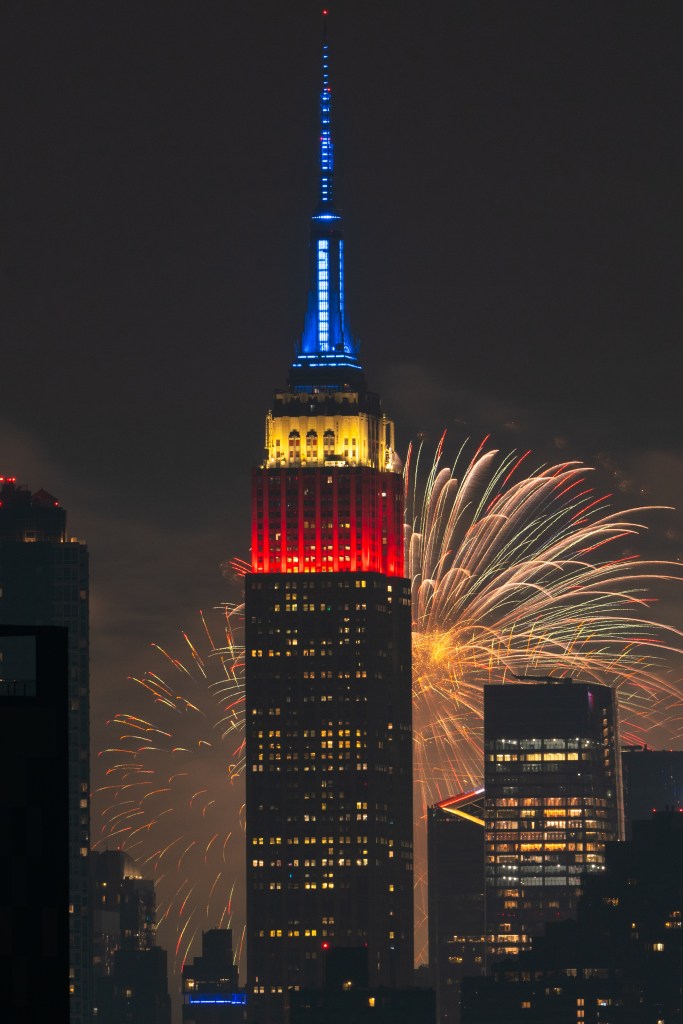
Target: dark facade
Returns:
[[553, 799], [653, 781], [620, 962], [137, 990], [34, 788], [44, 581], [328, 661], [210, 984], [455, 863], [328, 786], [130, 975], [123, 909], [347, 996]]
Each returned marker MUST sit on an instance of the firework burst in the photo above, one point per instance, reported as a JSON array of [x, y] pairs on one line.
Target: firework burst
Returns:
[[512, 572], [173, 798]]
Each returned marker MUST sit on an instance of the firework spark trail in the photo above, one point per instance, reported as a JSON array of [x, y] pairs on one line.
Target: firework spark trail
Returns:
[[183, 822], [512, 572], [513, 575]]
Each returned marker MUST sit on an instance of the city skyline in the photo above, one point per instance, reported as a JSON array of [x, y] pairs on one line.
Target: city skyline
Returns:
[[160, 531], [107, 304]]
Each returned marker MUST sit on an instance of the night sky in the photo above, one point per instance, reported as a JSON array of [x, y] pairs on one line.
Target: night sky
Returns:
[[510, 178]]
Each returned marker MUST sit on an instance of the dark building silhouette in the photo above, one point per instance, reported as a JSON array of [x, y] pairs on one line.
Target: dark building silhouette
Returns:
[[136, 992], [553, 799], [620, 962], [455, 861], [44, 581], [34, 799], [653, 781], [123, 911], [211, 992], [347, 996], [328, 661]]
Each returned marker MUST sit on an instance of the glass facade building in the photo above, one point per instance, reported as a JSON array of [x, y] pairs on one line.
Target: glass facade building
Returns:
[[553, 799]]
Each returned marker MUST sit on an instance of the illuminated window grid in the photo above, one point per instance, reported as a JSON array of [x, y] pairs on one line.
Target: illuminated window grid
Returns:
[[323, 295], [341, 284]]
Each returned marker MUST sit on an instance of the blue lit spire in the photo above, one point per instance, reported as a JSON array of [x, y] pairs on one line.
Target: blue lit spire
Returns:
[[326, 343]]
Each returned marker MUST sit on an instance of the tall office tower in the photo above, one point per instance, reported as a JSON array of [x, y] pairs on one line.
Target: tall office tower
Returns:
[[34, 807], [653, 781], [44, 581], [328, 660], [553, 799], [455, 869]]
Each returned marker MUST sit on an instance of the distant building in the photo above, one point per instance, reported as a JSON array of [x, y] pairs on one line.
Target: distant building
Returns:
[[553, 799], [455, 841], [138, 989], [620, 962], [211, 992], [34, 805], [653, 781], [348, 998], [124, 909], [44, 582]]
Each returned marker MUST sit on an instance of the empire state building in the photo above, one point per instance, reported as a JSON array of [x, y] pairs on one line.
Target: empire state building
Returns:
[[328, 659]]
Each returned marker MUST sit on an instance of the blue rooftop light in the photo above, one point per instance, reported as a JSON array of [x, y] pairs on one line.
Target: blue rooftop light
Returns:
[[235, 999], [326, 335]]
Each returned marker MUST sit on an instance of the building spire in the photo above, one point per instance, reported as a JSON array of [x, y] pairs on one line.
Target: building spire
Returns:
[[327, 355], [326, 146]]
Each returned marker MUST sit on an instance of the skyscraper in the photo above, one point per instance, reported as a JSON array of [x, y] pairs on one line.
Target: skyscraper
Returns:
[[34, 805], [44, 582], [553, 799], [328, 659]]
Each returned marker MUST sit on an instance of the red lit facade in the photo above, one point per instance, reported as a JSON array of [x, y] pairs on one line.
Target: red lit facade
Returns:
[[327, 519]]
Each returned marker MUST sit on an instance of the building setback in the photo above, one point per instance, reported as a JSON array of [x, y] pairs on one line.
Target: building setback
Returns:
[[44, 582], [210, 984], [553, 799], [328, 661]]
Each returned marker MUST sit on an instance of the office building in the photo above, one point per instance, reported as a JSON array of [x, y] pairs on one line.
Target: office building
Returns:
[[123, 909], [620, 962], [44, 582], [130, 970], [455, 865], [328, 660], [211, 992], [34, 804], [553, 799], [346, 995]]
